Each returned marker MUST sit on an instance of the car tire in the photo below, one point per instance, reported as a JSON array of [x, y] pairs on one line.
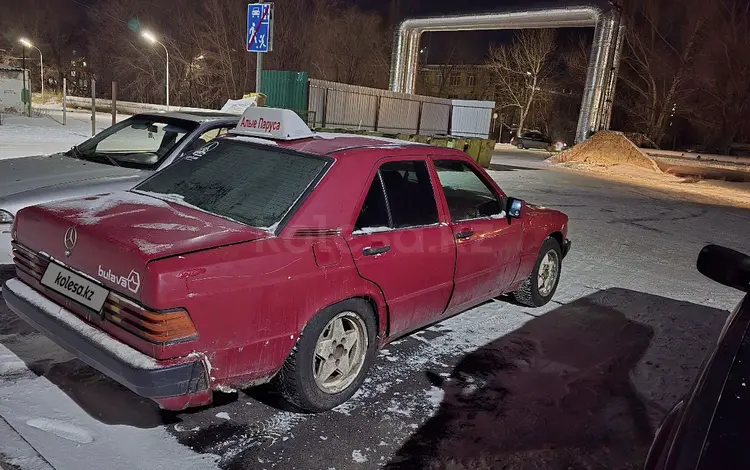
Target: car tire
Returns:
[[520, 146], [300, 381], [537, 291]]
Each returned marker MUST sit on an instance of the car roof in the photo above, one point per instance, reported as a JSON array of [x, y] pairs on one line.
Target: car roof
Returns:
[[194, 116], [347, 145]]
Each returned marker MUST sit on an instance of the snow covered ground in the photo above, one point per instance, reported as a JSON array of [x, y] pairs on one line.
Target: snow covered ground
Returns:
[[500, 383], [44, 133]]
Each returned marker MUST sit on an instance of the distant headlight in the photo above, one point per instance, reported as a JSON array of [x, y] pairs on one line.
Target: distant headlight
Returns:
[[6, 217]]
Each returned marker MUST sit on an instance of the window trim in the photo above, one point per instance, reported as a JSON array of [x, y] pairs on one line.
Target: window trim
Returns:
[[378, 165], [499, 195]]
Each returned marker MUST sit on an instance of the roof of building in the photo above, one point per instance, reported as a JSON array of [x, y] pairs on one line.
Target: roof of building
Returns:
[[10, 67]]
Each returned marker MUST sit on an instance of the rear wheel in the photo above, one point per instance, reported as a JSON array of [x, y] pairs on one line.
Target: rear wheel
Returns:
[[331, 358], [520, 145], [538, 289]]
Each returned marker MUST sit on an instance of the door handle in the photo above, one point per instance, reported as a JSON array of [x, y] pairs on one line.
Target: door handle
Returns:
[[464, 234], [378, 250]]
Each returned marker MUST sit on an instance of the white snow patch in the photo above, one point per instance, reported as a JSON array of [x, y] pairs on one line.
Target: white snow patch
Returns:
[[180, 428], [169, 227], [501, 215], [255, 140], [398, 408], [223, 415], [385, 352], [323, 438], [94, 205], [382, 443], [435, 396], [69, 319], [43, 135], [225, 389], [151, 248], [358, 457], [17, 452], [62, 429]]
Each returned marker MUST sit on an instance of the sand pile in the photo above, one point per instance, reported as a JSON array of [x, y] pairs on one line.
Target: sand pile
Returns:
[[607, 148]]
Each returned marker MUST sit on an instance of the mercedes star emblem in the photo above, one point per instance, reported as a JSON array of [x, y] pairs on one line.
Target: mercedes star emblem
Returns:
[[71, 237]]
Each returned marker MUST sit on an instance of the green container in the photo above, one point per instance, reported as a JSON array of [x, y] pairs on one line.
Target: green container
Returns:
[[475, 148], [403, 136], [285, 89], [460, 144], [439, 141], [424, 139], [485, 153]]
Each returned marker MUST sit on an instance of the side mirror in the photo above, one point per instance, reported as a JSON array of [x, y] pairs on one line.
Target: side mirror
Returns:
[[514, 207], [725, 266]]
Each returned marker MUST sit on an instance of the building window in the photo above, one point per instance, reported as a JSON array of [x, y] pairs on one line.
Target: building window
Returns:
[[455, 79], [472, 81], [439, 78]]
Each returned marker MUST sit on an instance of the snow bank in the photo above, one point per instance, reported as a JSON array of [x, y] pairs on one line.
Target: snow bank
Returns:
[[607, 148]]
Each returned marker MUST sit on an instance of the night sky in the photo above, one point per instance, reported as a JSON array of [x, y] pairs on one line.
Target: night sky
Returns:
[[471, 46], [460, 47]]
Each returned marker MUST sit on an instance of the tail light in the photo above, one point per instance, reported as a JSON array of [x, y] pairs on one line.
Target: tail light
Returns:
[[155, 327]]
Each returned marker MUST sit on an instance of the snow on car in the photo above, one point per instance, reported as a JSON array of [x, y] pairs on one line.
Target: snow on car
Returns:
[[276, 254], [117, 158]]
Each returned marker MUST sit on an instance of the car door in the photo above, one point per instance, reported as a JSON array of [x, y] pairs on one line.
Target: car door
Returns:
[[399, 244], [487, 241], [534, 140]]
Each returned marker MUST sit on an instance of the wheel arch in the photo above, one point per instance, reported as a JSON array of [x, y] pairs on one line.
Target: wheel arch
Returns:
[[558, 236], [373, 299]]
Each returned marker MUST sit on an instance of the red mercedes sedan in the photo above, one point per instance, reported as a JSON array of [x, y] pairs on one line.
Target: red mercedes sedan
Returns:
[[276, 254]]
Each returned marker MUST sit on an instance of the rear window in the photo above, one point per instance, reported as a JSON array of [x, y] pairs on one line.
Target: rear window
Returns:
[[252, 185]]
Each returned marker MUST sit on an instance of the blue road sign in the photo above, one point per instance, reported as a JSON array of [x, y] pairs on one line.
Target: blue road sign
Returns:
[[259, 27]]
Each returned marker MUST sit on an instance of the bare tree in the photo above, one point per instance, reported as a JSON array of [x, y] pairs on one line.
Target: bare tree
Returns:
[[208, 58], [722, 76], [662, 41], [353, 47], [523, 70]]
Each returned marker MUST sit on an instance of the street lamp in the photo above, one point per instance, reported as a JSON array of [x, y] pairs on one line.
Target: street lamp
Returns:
[[27, 43], [149, 36]]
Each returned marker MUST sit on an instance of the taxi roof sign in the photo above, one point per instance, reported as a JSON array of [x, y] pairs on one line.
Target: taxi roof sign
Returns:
[[272, 123]]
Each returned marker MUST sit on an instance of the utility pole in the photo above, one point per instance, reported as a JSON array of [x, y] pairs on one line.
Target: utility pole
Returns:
[[25, 94]]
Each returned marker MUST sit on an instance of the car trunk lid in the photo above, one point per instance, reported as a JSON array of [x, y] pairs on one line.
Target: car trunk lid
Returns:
[[110, 237]]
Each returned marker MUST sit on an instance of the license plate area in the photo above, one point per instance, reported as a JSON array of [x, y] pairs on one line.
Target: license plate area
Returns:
[[74, 287]]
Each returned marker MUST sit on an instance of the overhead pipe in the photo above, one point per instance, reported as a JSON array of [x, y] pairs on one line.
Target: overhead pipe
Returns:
[[404, 61]]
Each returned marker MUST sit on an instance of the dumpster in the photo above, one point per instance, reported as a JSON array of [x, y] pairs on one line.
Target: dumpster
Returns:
[[485, 153], [474, 149]]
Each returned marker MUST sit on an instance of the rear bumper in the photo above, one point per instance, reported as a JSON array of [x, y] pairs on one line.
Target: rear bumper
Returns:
[[566, 248], [133, 369]]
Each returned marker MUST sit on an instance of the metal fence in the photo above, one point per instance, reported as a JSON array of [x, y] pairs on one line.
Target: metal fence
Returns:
[[342, 106], [338, 105]]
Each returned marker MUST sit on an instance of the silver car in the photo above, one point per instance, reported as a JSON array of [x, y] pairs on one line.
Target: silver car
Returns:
[[115, 159]]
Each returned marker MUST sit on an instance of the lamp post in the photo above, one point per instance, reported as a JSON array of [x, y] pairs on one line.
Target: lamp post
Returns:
[[27, 43], [149, 36]]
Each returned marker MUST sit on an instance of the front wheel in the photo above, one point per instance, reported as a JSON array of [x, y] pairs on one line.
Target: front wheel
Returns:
[[331, 358], [538, 289], [520, 146]]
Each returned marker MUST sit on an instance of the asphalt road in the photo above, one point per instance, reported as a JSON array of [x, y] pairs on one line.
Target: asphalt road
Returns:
[[581, 383]]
